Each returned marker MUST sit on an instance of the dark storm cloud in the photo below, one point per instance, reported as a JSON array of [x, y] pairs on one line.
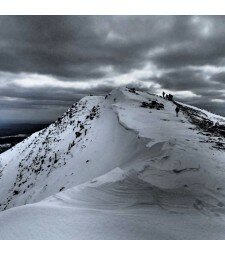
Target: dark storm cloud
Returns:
[[192, 80], [100, 48], [204, 90], [36, 97], [18, 104], [49, 45], [201, 43], [76, 46], [47, 93], [64, 46], [43, 100], [220, 77]]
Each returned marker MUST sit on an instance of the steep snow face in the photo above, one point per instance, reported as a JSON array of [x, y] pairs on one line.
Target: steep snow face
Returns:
[[150, 174], [85, 142]]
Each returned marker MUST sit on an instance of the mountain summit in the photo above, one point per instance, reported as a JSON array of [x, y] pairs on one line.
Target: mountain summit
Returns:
[[121, 166]]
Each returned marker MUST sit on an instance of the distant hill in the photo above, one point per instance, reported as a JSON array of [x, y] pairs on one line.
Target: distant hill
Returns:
[[13, 133]]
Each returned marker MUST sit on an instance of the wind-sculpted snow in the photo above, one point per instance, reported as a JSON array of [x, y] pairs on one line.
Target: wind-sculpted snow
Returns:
[[138, 172], [117, 205], [84, 143]]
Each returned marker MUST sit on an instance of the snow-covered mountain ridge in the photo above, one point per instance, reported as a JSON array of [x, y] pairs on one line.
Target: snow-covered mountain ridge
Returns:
[[63, 154], [118, 167]]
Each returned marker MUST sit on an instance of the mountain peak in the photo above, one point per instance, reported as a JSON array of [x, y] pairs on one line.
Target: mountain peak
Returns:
[[128, 150]]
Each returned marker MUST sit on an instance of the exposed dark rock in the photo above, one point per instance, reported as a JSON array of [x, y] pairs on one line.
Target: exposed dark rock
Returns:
[[153, 105]]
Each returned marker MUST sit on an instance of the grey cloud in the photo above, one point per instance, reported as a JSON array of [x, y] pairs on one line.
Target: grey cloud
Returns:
[[80, 48], [73, 46], [41, 101], [194, 81]]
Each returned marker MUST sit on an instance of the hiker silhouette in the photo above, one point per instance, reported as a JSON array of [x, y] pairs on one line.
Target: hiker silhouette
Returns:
[[177, 110], [170, 97], [163, 94]]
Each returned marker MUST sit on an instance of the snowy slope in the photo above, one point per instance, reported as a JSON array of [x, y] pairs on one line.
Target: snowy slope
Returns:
[[138, 172], [65, 153]]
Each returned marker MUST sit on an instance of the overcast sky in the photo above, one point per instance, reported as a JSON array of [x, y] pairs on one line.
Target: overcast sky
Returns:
[[49, 62]]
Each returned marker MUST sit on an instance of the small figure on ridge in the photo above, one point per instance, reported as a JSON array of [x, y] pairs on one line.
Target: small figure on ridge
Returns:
[[177, 110]]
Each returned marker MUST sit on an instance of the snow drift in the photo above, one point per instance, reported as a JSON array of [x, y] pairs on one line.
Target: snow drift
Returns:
[[117, 167]]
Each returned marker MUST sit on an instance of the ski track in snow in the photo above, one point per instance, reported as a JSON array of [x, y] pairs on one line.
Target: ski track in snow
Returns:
[[135, 173]]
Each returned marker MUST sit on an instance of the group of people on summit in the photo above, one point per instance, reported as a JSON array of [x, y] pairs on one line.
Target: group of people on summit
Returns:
[[170, 98], [167, 97]]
